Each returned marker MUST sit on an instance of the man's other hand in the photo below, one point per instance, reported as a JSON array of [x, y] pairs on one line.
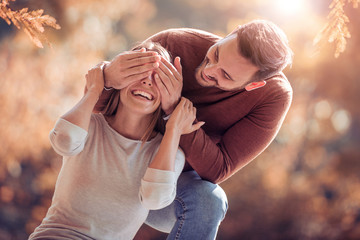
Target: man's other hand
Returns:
[[130, 67], [169, 80]]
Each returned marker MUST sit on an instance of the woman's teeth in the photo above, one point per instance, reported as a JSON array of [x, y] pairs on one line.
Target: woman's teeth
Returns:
[[142, 94]]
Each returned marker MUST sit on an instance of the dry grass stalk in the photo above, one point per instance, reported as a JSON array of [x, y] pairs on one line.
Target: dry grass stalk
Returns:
[[336, 29], [32, 22], [355, 3]]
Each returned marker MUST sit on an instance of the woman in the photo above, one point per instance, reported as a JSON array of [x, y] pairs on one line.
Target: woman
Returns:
[[115, 166]]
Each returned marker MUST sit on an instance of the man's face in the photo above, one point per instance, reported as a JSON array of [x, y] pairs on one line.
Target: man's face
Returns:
[[224, 68]]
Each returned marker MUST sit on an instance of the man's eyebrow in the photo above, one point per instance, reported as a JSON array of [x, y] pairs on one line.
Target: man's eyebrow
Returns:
[[224, 72]]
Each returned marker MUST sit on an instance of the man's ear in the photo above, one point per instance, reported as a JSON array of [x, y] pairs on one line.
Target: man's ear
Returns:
[[255, 85]]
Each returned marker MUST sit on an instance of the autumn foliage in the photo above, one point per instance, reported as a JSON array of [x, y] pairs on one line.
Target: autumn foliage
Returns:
[[32, 22], [336, 29]]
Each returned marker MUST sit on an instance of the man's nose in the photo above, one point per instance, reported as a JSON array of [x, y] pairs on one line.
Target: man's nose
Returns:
[[210, 70]]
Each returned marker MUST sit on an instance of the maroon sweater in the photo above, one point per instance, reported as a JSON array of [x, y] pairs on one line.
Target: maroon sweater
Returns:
[[239, 125]]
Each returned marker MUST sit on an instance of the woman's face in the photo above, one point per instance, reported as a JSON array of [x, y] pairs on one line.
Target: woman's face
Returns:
[[142, 97]]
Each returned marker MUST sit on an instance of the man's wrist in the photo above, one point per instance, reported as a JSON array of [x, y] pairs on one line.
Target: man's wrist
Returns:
[[166, 117], [169, 111]]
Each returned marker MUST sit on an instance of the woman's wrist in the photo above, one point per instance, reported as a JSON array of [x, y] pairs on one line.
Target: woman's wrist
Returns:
[[107, 85], [172, 130], [93, 93]]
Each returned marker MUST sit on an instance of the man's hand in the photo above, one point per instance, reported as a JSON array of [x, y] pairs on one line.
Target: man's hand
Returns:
[[169, 80], [130, 67]]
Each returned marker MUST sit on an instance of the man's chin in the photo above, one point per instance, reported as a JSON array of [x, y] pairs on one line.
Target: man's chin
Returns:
[[198, 78]]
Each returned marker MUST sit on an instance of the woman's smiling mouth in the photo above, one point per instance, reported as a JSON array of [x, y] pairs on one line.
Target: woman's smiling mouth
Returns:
[[143, 94]]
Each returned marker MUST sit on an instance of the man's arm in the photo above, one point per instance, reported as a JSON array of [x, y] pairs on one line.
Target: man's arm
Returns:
[[241, 142], [239, 145]]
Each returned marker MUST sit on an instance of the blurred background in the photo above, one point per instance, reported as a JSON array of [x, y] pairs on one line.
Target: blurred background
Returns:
[[306, 185]]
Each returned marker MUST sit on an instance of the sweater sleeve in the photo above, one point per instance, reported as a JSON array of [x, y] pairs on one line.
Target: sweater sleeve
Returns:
[[67, 139], [240, 144], [158, 187]]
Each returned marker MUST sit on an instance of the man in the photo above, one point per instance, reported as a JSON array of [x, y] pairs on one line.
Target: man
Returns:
[[237, 85]]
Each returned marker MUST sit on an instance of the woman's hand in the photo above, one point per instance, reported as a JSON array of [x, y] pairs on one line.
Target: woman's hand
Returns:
[[95, 79], [80, 114], [181, 122], [129, 67], [183, 117]]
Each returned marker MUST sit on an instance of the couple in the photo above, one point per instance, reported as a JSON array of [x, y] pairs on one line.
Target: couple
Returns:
[[120, 168]]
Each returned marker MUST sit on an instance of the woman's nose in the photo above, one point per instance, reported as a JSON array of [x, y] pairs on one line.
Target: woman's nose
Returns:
[[147, 81]]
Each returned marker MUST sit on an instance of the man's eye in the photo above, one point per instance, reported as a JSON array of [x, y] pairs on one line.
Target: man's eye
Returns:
[[227, 76], [216, 54]]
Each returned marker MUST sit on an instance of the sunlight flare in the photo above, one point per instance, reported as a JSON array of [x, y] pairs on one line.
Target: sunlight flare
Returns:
[[290, 7]]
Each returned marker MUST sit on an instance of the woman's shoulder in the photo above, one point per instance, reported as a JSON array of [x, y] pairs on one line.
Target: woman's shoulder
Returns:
[[156, 140], [97, 122], [97, 119]]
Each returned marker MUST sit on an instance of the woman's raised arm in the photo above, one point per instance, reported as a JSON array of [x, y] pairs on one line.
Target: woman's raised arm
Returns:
[[80, 114], [180, 122], [158, 188]]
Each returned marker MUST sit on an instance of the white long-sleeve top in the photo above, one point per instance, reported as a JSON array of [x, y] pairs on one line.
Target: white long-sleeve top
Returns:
[[105, 188]]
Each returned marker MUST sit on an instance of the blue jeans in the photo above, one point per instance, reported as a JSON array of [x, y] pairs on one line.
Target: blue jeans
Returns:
[[196, 213]]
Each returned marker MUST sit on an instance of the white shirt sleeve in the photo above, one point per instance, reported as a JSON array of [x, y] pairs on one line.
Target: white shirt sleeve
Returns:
[[66, 138], [158, 187]]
